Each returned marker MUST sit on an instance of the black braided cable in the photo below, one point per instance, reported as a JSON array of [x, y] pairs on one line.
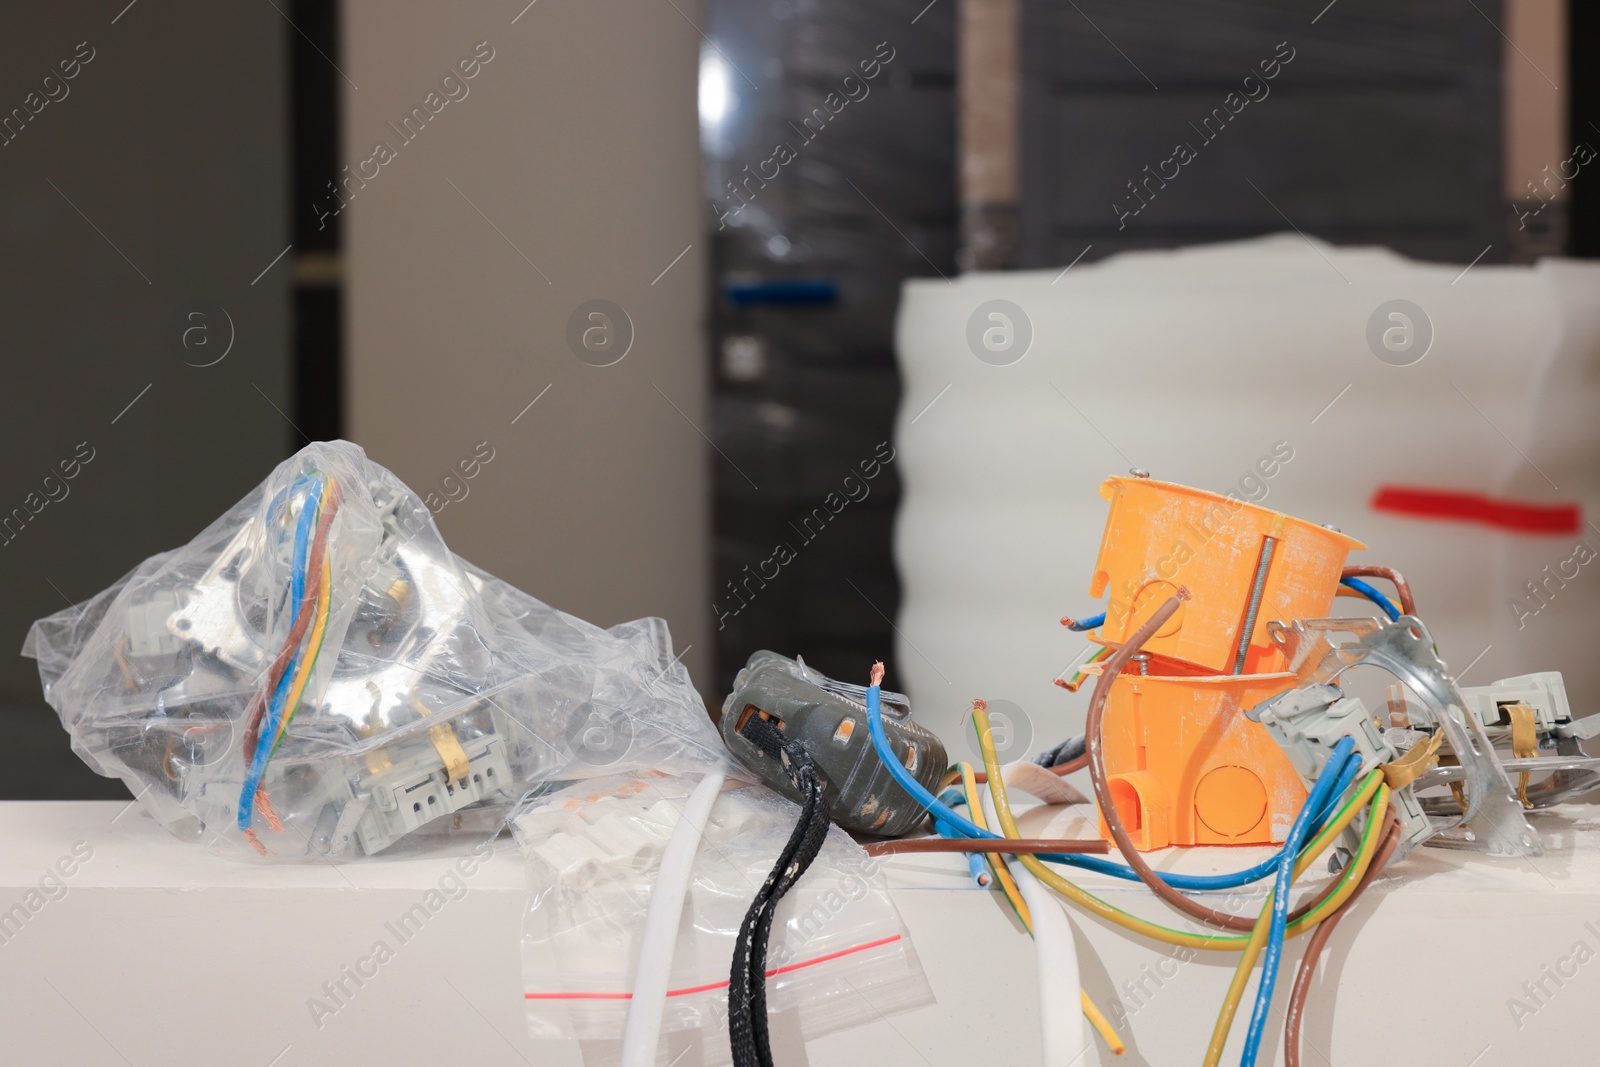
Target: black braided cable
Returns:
[[748, 1037]]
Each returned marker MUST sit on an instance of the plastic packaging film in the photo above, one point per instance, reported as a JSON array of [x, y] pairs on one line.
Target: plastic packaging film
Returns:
[[319, 650], [839, 955]]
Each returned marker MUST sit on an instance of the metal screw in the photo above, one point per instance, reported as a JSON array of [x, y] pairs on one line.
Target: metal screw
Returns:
[[1138, 472]]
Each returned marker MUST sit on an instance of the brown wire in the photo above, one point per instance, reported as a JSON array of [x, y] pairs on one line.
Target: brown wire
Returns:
[[1064, 769], [258, 703], [1408, 604], [1108, 810], [1017, 845], [1319, 940]]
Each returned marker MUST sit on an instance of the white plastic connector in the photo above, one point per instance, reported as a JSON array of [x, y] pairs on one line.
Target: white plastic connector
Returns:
[[734, 820], [414, 791], [1544, 692], [147, 629], [662, 816], [538, 825], [575, 859], [1307, 723], [624, 840]]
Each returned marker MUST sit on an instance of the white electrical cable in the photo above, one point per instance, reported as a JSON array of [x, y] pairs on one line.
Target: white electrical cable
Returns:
[[643, 1031], [1060, 1020]]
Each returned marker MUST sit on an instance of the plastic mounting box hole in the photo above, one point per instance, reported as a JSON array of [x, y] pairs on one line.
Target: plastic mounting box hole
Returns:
[[1145, 603], [1126, 798], [1230, 801]]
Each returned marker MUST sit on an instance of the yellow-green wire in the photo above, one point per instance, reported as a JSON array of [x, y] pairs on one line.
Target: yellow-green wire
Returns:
[[1002, 874], [1258, 936], [1019, 907], [1371, 788], [1078, 676]]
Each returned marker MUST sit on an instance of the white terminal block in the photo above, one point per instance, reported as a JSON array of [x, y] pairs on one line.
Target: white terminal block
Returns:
[[1544, 692], [538, 825], [663, 815], [147, 630], [1307, 723], [577, 848], [414, 790], [576, 860], [731, 821], [623, 839]]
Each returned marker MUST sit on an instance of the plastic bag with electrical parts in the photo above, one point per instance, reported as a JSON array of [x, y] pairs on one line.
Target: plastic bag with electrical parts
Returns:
[[839, 955], [316, 675]]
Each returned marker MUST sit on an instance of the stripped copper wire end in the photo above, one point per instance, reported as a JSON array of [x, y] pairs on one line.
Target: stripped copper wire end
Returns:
[[255, 843], [265, 810], [877, 673]]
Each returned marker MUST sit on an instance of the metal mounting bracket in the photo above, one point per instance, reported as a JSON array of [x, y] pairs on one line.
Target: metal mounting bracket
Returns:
[[1320, 650]]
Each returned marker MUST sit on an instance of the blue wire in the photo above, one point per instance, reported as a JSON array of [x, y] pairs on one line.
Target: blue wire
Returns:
[[951, 824], [269, 724], [1373, 595], [1280, 909], [1077, 626], [1352, 767], [302, 538]]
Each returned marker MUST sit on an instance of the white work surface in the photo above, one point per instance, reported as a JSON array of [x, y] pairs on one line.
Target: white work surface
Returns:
[[158, 953]]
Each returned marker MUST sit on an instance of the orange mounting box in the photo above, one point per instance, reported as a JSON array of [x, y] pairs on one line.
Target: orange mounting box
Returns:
[[1242, 564], [1186, 767]]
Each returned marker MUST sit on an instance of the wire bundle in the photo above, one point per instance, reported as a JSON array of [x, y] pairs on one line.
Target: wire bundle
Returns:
[[1267, 932], [273, 707], [747, 985]]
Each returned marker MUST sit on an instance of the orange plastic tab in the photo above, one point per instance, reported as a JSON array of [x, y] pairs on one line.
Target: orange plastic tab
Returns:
[[1242, 564], [1187, 768]]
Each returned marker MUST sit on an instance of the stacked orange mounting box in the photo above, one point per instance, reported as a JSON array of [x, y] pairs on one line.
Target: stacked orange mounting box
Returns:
[[1184, 765]]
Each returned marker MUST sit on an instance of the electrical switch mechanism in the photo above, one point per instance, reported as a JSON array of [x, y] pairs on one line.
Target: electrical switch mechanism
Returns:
[[1309, 722]]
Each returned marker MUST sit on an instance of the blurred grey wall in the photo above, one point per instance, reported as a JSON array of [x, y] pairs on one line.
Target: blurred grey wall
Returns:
[[555, 165], [142, 195]]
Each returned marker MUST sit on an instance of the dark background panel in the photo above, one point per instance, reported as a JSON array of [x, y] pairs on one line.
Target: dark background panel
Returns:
[[1383, 128]]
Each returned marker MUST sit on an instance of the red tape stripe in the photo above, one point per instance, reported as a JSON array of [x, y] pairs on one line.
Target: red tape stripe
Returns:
[[717, 985], [1514, 515]]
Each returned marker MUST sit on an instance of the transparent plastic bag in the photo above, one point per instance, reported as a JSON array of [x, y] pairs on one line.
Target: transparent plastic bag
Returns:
[[839, 955], [431, 694]]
